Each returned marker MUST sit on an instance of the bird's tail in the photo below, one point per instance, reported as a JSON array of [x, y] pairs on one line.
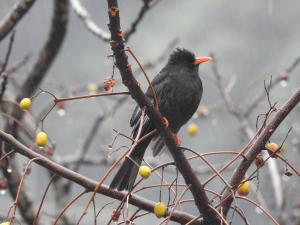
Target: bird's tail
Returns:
[[127, 173]]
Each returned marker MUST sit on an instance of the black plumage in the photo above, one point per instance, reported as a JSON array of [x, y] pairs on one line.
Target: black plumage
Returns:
[[178, 89]]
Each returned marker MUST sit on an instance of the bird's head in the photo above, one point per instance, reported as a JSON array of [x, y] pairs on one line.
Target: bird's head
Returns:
[[187, 59]]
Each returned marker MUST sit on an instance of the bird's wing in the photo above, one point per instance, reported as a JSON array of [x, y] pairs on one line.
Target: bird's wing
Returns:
[[135, 116], [158, 83]]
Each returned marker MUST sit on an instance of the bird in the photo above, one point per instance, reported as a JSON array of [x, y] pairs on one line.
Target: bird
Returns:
[[178, 90]]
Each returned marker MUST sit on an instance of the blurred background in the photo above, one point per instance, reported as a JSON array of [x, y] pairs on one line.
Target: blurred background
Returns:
[[252, 41]]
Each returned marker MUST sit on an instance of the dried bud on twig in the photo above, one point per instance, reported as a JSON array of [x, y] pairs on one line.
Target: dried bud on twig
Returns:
[[115, 215], [109, 83]]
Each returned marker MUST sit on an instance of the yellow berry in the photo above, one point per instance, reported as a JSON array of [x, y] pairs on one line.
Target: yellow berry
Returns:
[[160, 209], [271, 147], [192, 129], [92, 88], [5, 223], [25, 103], [144, 171], [244, 188], [41, 139]]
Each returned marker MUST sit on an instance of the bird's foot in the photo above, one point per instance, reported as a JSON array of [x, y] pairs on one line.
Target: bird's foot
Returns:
[[165, 121], [176, 138]]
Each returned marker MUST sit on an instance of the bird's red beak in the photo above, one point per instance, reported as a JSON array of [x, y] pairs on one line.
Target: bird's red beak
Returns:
[[202, 60]]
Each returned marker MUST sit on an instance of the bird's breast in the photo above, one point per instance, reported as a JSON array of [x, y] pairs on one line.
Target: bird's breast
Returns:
[[182, 99]]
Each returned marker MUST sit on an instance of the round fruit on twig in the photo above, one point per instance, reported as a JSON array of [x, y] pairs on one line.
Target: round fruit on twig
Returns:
[[192, 129], [244, 188], [144, 172], [25, 103], [160, 209], [41, 139], [5, 223], [275, 149]]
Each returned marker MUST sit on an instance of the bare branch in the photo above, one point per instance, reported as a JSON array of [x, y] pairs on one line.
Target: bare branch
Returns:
[[83, 14], [148, 4], [35, 77], [88, 183], [7, 55], [50, 50], [11, 20], [259, 144], [117, 45], [81, 155], [280, 77], [3, 69], [229, 102], [245, 127]]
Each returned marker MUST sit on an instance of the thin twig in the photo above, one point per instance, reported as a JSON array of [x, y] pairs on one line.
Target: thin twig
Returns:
[[15, 204], [90, 96], [259, 144], [36, 218], [88, 183], [283, 76], [68, 205], [153, 92], [89, 23], [7, 55], [147, 5]]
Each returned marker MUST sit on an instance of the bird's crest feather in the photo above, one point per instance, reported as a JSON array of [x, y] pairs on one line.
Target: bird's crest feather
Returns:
[[182, 56]]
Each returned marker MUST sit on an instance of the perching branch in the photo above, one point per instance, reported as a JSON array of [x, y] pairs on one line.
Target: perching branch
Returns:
[[118, 48]]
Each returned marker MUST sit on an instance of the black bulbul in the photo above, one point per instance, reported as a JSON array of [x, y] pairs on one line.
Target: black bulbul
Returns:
[[179, 90]]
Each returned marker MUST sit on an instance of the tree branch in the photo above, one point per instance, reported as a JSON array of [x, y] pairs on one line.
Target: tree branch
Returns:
[[83, 14], [245, 126], [118, 48], [35, 77], [88, 183], [285, 75], [11, 20], [3, 69], [148, 4], [50, 50], [258, 146]]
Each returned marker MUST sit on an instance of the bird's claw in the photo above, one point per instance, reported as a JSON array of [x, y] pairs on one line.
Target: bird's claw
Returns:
[[176, 138]]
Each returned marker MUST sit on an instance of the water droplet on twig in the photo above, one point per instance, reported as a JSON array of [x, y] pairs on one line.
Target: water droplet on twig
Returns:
[[283, 83], [9, 169], [61, 112]]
